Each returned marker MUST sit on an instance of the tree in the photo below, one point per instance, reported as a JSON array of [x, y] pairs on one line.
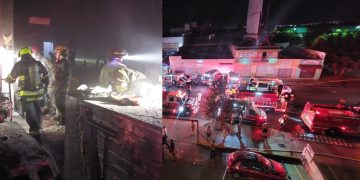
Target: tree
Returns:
[[342, 51], [292, 38]]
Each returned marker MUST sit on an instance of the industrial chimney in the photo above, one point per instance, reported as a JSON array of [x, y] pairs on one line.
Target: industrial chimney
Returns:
[[253, 19]]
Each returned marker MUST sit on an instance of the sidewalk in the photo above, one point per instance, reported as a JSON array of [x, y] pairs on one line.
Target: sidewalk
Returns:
[[278, 143]]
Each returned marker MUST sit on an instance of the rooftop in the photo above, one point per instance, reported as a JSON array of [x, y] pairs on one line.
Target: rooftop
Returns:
[[294, 52], [206, 51]]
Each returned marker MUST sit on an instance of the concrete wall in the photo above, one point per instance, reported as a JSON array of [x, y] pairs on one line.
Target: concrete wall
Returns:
[[251, 67], [200, 65], [98, 138]]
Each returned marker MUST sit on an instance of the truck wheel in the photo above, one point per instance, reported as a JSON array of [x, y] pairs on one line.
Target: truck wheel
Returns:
[[333, 132]]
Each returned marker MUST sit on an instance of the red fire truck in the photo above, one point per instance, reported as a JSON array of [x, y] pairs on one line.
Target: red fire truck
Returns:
[[266, 100], [179, 103], [331, 119]]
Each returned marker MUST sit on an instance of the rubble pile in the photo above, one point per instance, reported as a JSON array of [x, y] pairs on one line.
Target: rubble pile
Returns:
[[18, 149]]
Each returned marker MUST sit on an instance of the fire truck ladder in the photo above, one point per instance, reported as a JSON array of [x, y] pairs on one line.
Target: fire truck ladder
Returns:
[[324, 140]]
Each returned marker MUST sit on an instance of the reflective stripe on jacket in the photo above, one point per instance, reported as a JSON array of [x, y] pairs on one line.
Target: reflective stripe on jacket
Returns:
[[31, 75]]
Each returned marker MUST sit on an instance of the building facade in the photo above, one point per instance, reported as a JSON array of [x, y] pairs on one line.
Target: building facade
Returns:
[[257, 61]]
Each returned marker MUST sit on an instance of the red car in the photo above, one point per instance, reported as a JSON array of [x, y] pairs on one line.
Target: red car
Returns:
[[251, 164]]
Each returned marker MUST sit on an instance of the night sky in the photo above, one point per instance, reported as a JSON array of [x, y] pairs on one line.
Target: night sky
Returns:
[[94, 28], [233, 12]]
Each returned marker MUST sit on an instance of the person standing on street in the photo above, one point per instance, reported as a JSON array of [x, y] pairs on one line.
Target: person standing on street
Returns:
[[192, 127], [164, 135], [225, 131], [33, 80], [239, 129], [61, 72], [282, 121], [265, 127], [208, 133]]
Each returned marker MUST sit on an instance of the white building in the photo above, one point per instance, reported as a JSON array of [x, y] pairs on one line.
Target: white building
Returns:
[[255, 61]]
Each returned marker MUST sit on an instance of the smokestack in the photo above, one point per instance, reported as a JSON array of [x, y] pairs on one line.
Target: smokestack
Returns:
[[253, 19]]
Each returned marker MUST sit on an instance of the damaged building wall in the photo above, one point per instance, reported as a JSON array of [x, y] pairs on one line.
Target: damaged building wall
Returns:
[[105, 141]]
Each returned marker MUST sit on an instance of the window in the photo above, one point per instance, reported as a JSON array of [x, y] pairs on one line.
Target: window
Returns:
[[257, 166], [246, 164], [252, 112], [171, 99], [264, 54]]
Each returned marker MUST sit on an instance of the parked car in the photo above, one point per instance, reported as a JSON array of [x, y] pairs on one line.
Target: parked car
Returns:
[[243, 163]]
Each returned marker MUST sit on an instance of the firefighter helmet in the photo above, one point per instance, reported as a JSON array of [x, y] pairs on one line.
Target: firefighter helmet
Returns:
[[24, 50], [119, 54], [63, 50]]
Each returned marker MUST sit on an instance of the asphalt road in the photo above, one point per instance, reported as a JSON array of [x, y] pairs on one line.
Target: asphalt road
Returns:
[[317, 93], [330, 157]]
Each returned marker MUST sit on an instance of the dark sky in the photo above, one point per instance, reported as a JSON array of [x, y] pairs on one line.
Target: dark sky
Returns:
[[93, 27], [233, 12]]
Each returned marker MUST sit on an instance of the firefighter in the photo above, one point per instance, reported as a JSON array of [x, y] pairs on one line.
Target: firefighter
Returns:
[[33, 80], [118, 75], [282, 121], [61, 72], [47, 102]]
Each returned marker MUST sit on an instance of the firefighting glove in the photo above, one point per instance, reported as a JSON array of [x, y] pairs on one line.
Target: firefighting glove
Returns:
[[10, 79]]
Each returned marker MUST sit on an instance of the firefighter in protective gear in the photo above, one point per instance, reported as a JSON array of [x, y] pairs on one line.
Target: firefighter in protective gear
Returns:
[[61, 72], [33, 80], [118, 75], [47, 103]]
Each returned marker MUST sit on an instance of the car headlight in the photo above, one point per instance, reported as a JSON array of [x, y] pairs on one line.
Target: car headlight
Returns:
[[181, 109]]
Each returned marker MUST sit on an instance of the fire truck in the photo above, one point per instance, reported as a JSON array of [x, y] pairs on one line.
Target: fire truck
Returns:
[[330, 120], [265, 100], [179, 103], [233, 81]]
